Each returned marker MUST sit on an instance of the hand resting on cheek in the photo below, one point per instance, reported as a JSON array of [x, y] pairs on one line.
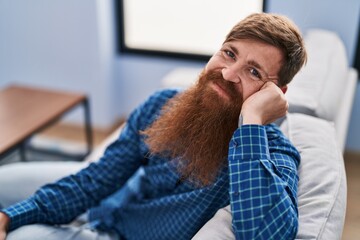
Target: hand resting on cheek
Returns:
[[265, 106]]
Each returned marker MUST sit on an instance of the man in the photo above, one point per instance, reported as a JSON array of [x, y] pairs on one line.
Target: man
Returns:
[[197, 151]]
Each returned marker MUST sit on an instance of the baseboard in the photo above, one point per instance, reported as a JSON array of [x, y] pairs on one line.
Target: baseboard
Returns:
[[350, 155]]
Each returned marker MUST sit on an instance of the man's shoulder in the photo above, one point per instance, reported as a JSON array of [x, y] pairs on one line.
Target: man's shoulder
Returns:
[[163, 95], [159, 98], [150, 109]]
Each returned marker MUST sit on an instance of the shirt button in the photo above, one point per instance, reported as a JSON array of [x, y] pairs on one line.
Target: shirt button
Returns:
[[235, 144], [236, 193]]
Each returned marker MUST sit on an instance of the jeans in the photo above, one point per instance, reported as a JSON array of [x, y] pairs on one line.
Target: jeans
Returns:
[[19, 180], [68, 232]]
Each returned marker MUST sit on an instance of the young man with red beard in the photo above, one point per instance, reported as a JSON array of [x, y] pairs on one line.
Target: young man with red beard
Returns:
[[192, 152]]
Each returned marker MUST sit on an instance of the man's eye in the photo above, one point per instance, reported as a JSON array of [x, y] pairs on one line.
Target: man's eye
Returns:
[[255, 73], [230, 54]]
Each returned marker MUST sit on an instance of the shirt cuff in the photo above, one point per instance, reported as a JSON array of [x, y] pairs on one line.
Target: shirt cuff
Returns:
[[22, 213], [249, 142]]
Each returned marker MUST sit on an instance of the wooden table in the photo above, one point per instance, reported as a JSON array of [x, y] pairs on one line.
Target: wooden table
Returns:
[[24, 111]]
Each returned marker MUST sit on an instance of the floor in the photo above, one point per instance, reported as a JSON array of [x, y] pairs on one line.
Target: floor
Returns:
[[352, 219], [352, 165]]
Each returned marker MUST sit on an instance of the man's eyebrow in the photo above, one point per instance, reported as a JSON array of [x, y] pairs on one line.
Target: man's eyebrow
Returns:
[[234, 49], [250, 62], [256, 64]]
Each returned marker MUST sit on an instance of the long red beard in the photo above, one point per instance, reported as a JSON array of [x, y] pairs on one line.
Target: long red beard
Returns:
[[196, 127]]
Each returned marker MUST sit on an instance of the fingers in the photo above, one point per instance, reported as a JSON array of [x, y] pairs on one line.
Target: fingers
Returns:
[[266, 105]]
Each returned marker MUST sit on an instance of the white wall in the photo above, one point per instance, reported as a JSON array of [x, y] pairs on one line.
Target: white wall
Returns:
[[60, 44]]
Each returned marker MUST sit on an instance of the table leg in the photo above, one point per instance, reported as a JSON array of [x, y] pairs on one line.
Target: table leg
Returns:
[[88, 128], [22, 150]]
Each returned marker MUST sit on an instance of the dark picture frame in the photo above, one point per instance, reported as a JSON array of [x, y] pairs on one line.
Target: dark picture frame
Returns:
[[124, 48], [357, 54]]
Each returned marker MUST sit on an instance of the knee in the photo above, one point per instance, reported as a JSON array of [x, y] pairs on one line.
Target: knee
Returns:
[[28, 232], [13, 176], [12, 179]]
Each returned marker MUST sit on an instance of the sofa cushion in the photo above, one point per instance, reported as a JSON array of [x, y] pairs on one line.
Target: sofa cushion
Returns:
[[317, 89], [322, 183]]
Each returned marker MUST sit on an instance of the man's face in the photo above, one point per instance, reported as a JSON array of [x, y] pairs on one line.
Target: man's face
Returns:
[[246, 63]]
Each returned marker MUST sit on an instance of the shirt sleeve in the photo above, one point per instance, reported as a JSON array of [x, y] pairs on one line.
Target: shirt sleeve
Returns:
[[64, 200], [263, 183]]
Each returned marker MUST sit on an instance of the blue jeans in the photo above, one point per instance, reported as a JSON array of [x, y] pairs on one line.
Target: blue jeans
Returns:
[[68, 232], [19, 180]]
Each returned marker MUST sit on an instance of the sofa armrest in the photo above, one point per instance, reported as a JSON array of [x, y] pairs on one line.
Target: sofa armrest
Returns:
[[343, 117]]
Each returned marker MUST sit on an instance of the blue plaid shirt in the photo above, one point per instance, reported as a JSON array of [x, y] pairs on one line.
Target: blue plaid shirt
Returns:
[[260, 183]]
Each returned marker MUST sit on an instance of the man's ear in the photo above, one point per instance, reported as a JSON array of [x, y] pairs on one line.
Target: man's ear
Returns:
[[284, 89]]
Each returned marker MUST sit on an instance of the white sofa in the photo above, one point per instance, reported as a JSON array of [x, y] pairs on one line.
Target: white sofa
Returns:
[[320, 99]]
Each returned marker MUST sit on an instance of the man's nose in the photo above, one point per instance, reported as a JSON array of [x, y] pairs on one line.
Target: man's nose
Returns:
[[230, 73]]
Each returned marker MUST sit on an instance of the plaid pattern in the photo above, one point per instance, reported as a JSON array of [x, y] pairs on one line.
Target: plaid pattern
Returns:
[[263, 184], [260, 183]]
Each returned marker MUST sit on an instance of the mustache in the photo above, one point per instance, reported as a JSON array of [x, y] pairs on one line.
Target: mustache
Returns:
[[228, 86]]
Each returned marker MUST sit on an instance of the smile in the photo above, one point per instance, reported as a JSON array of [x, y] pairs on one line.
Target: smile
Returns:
[[217, 88]]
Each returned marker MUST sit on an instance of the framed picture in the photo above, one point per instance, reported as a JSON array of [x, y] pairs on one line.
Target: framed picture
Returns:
[[357, 54], [191, 29]]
